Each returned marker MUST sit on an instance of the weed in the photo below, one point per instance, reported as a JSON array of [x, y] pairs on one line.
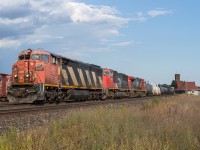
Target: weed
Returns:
[[169, 124]]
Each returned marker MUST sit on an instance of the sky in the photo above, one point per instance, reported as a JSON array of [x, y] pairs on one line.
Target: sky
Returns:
[[150, 39]]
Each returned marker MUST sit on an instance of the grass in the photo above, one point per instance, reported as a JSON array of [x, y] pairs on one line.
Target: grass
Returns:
[[170, 124]]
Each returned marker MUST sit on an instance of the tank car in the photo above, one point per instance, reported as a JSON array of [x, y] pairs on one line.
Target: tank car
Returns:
[[42, 76], [167, 89], [149, 89], [172, 91], [5, 81], [155, 89], [163, 89]]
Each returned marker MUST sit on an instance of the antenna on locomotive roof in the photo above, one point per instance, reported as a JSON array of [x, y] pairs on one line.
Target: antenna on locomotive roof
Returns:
[[29, 49]]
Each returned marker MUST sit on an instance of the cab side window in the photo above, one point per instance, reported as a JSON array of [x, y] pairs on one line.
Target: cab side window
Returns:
[[27, 57], [53, 60], [45, 58]]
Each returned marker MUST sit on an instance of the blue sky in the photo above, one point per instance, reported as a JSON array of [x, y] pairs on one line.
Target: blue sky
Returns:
[[148, 39]]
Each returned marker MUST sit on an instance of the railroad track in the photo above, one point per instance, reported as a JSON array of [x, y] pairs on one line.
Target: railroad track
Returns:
[[11, 109]]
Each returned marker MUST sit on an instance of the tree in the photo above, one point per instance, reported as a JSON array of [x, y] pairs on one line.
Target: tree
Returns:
[[174, 84]]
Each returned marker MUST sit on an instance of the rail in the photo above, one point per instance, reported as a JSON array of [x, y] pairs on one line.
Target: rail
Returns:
[[10, 109]]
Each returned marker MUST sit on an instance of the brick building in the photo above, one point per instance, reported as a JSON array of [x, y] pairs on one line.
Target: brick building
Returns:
[[186, 87]]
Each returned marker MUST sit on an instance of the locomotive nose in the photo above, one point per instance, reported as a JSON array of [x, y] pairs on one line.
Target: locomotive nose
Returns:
[[22, 72]]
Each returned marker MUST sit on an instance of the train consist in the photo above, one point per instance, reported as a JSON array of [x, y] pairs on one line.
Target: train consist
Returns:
[[5, 81], [42, 76]]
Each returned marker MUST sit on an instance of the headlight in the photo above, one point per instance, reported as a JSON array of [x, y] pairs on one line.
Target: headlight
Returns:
[[14, 69], [15, 76], [27, 75]]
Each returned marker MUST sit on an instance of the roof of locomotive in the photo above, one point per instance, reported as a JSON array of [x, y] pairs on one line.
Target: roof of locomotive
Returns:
[[116, 72], [5, 74], [38, 51], [41, 51]]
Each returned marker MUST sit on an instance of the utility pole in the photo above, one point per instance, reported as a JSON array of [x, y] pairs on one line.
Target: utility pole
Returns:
[[186, 88]]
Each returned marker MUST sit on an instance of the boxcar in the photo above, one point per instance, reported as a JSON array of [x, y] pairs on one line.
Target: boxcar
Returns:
[[5, 81]]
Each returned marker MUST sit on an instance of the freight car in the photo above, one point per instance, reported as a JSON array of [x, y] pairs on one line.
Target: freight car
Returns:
[[5, 81], [152, 89], [166, 89]]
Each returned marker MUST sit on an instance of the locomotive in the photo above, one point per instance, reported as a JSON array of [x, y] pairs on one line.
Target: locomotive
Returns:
[[42, 76]]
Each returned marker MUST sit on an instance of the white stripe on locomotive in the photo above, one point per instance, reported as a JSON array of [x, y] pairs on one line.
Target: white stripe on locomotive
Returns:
[[71, 72], [65, 76], [100, 80], [94, 78], [81, 76], [88, 77]]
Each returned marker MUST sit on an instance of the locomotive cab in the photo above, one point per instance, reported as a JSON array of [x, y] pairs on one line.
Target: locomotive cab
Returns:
[[29, 74], [30, 67], [108, 78]]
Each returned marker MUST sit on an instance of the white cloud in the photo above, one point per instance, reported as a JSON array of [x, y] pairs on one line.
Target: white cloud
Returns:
[[77, 55], [126, 43], [144, 16], [122, 44], [140, 16], [158, 12], [5, 43], [63, 22], [104, 49], [81, 12]]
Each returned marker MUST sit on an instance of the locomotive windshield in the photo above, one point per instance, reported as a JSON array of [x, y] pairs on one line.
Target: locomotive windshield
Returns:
[[22, 57], [36, 57], [40, 57], [45, 58], [106, 73]]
